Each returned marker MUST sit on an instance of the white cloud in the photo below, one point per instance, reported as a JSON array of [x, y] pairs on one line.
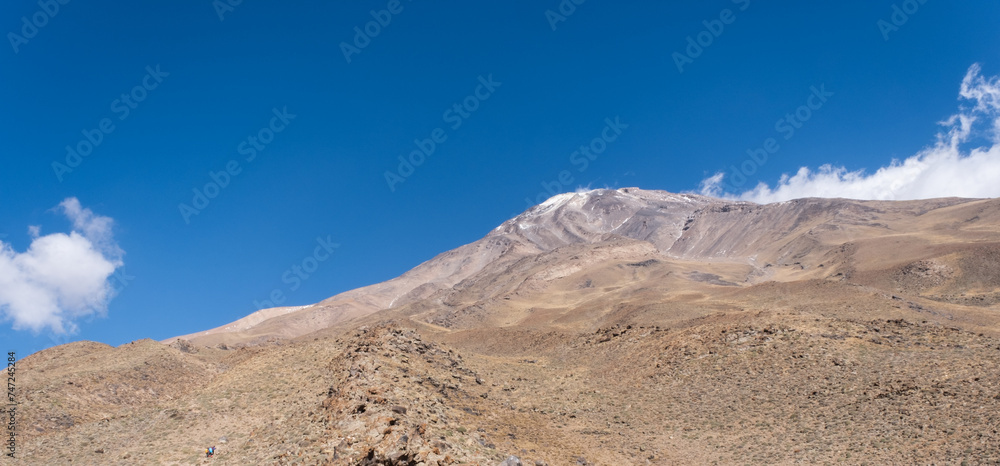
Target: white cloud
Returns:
[[949, 167], [61, 277]]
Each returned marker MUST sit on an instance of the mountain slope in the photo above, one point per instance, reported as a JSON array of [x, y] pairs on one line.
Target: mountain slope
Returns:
[[707, 239], [607, 327]]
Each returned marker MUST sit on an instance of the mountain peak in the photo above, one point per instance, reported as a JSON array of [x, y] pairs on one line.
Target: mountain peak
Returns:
[[587, 216], [643, 224]]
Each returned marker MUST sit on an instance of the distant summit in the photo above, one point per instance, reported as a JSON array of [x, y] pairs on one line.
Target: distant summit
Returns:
[[686, 227]]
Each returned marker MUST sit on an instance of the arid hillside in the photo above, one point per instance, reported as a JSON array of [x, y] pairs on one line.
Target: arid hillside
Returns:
[[609, 327], [746, 242]]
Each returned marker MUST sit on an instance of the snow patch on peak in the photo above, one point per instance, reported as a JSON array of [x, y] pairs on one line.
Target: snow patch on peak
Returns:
[[557, 200], [628, 197]]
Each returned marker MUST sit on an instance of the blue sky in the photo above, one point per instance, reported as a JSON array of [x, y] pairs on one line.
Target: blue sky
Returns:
[[301, 119]]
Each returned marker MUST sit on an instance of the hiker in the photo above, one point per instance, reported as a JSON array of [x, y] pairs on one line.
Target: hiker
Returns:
[[210, 452]]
